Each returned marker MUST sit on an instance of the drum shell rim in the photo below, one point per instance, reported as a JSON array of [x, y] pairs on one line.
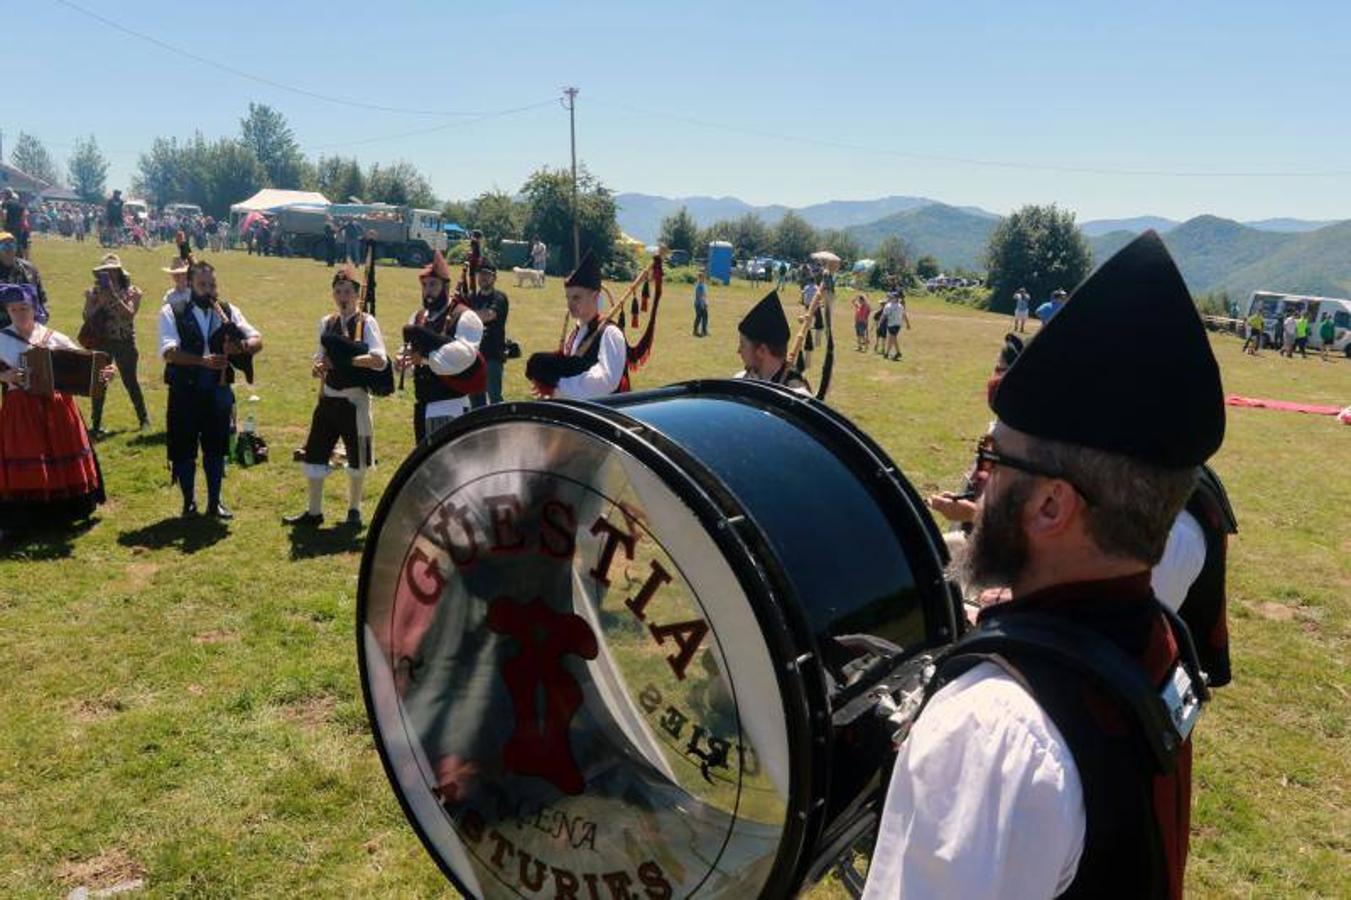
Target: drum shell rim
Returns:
[[801, 821]]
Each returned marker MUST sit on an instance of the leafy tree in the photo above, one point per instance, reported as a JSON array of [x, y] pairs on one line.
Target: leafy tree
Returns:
[[30, 156], [548, 199], [339, 179], [893, 263], [926, 267], [159, 172], [266, 133], [680, 231], [751, 236], [1039, 248], [721, 230], [842, 244], [499, 216], [400, 184], [88, 171], [793, 238], [231, 173], [459, 212]]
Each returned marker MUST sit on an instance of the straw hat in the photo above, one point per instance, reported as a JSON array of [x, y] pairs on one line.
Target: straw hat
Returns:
[[177, 266], [111, 262]]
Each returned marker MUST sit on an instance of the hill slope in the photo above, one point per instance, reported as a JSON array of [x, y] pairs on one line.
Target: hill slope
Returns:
[[956, 237], [640, 215]]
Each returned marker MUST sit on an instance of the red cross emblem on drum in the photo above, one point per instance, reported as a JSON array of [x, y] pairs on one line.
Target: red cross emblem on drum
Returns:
[[539, 745]]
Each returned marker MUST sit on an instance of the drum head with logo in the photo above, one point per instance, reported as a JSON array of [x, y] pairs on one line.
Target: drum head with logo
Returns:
[[571, 689]]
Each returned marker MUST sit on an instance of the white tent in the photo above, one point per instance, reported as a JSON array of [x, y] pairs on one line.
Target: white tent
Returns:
[[269, 199]]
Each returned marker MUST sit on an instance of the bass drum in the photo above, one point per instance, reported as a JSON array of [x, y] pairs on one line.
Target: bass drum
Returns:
[[638, 648]]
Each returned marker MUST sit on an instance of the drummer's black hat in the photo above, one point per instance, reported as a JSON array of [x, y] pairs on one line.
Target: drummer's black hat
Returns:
[[1125, 367], [486, 265], [766, 323], [587, 273]]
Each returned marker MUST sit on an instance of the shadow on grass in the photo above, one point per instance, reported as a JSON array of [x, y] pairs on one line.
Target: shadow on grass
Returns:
[[153, 439], [44, 542], [186, 535], [307, 543]]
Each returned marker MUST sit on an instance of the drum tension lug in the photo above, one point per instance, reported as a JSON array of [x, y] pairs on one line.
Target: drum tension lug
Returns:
[[798, 663]]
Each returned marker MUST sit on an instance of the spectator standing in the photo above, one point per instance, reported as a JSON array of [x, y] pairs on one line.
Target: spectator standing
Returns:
[[539, 256], [330, 242], [1021, 301], [1046, 312], [895, 318], [110, 309], [1290, 327], [1327, 334], [861, 313], [1256, 324], [701, 306], [112, 218], [15, 215], [351, 237], [492, 307], [1302, 335]]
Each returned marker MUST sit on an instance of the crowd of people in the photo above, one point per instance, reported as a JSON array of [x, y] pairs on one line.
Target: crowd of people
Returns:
[[1290, 334]]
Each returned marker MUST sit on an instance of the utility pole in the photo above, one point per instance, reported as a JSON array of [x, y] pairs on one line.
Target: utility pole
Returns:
[[571, 105]]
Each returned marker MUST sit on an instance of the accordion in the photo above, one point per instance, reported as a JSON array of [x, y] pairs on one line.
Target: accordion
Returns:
[[65, 371]]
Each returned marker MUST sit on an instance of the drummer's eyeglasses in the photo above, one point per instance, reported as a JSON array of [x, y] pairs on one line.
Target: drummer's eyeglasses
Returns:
[[987, 457]]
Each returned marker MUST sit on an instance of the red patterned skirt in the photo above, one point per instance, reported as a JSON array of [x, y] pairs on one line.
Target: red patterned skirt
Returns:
[[47, 465]]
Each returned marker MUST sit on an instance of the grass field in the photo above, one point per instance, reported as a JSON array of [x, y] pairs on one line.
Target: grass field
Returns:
[[179, 701]]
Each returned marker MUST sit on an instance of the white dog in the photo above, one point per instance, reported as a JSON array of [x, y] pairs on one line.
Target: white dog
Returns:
[[533, 277]]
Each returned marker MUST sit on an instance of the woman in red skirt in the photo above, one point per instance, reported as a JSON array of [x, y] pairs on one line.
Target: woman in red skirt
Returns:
[[48, 471]]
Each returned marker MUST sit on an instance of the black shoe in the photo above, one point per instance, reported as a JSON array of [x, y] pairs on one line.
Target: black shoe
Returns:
[[305, 518], [354, 518], [218, 510], [189, 509], [97, 434]]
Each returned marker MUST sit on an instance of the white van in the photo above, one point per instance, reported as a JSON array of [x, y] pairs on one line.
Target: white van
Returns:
[[1273, 307], [137, 209]]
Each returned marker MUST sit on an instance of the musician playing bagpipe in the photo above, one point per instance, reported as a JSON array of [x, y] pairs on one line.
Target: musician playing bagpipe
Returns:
[[595, 360], [351, 360], [48, 470], [762, 344], [202, 342], [441, 343]]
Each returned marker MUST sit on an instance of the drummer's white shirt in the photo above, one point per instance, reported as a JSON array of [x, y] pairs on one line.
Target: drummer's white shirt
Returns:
[[985, 799]]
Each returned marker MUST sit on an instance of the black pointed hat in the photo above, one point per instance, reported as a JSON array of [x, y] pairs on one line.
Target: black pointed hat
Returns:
[[766, 323], [587, 273], [1125, 367]]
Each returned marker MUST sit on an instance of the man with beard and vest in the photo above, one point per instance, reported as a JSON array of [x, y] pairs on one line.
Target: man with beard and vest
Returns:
[[762, 344], [441, 343], [1053, 757], [594, 361], [349, 346], [198, 341]]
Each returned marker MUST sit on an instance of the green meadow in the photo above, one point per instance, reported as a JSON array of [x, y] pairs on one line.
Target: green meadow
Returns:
[[179, 700]]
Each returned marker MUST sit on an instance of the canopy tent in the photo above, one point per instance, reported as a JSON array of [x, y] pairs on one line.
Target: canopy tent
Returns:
[[20, 180], [61, 194], [269, 199]]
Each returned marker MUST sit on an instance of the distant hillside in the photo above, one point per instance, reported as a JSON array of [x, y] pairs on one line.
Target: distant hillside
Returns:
[[1295, 225], [1137, 225], [1221, 254], [1315, 262], [640, 215], [954, 236]]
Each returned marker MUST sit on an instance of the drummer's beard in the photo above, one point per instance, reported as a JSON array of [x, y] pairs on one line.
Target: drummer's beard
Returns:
[[995, 553]]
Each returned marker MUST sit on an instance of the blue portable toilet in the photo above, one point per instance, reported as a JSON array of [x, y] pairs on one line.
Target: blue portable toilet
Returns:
[[720, 261]]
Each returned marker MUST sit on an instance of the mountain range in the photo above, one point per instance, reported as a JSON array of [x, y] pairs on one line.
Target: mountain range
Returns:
[[1282, 254]]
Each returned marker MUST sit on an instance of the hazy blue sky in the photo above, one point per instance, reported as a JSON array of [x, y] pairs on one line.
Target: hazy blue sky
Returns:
[[1236, 108]]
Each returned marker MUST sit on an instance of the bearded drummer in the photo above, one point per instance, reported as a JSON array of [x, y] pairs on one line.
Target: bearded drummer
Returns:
[[594, 360], [762, 344], [1028, 773]]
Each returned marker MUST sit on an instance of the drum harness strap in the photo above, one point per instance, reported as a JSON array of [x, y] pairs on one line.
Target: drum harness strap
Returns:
[[1166, 716]]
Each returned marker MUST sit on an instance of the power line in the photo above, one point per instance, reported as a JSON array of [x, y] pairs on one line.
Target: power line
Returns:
[[259, 79], [972, 161], [448, 125]]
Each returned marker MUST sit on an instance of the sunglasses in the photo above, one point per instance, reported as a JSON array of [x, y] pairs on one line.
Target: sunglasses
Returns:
[[987, 457]]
